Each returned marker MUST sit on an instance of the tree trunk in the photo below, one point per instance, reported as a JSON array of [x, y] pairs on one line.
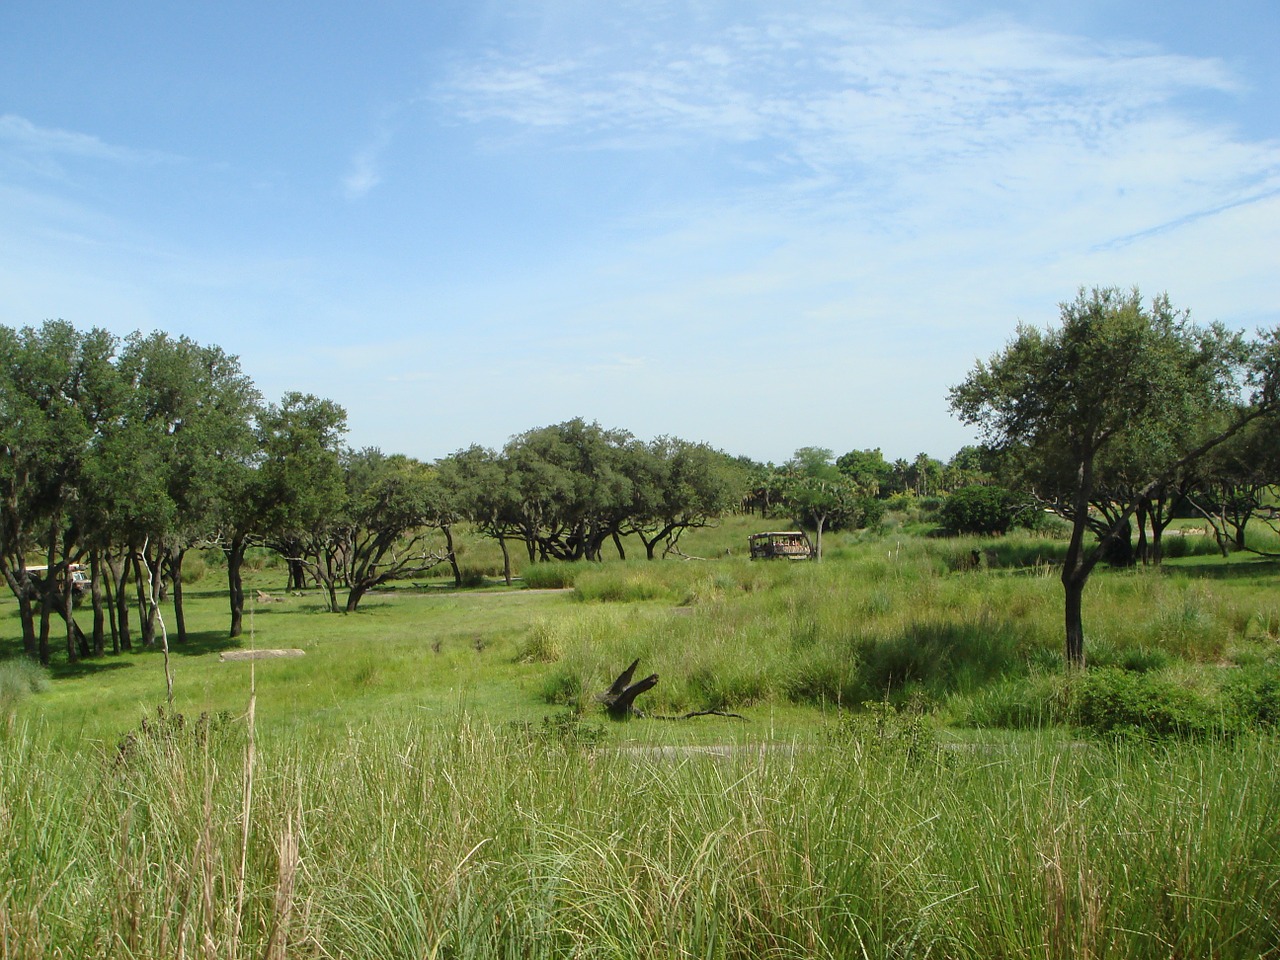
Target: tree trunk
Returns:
[[617, 542], [1073, 588], [354, 596], [506, 559], [20, 585], [297, 574], [77, 643], [235, 584], [120, 587], [146, 612], [1144, 549], [176, 555], [447, 530], [95, 596]]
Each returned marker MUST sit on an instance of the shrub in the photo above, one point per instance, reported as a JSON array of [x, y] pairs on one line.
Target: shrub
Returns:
[[979, 509], [883, 731], [1028, 703], [1254, 693], [567, 729], [194, 567], [871, 513], [473, 576], [172, 732], [1120, 703]]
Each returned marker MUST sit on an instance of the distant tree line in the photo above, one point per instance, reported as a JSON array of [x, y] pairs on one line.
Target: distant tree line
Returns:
[[119, 456]]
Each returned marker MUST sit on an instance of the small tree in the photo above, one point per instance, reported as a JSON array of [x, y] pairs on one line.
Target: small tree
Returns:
[[816, 494], [1111, 374], [385, 524]]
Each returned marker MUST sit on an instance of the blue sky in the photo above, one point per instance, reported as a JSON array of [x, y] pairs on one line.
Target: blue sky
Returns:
[[762, 225]]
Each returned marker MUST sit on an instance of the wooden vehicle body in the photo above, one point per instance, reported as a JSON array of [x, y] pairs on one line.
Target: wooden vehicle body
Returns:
[[783, 544]]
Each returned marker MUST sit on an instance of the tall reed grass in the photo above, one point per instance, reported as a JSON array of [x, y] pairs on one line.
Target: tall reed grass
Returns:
[[468, 841]]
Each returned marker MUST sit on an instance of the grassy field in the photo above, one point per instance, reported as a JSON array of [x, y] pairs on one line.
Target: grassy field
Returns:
[[434, 779]]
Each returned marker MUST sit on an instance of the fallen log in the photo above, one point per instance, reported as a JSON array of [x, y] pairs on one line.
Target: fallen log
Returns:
[[619, 699]]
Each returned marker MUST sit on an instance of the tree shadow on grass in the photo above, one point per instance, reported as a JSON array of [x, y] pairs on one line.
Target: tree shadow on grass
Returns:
[[88, 667], [198, 644], [1257, 569], [201, 642]]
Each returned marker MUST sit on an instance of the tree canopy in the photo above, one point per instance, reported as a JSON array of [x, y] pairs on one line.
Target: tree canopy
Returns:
[[1113, 376]]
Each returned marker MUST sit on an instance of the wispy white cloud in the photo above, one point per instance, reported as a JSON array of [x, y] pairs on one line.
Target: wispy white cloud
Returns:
[[974, 130], [44, 145], [365, 171]]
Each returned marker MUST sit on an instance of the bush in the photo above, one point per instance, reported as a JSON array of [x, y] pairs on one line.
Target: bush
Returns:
[[885, 732], [1254, 693], [1120, 703], [194, 567], [979, 509], [1028, 703], [473, 576]]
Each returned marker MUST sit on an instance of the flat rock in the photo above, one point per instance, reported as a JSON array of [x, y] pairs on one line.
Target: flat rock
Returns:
[[261, 654]]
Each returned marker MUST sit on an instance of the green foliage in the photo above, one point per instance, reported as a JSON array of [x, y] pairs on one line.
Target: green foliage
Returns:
[[886, 732], [1033, 702], [1099, 411], [1254, 693], [408, 839], [554, 575], [1115, 702], [566, 729], [979, 509]]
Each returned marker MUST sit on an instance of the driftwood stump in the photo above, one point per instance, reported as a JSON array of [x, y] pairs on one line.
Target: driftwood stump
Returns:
[[619, 699]]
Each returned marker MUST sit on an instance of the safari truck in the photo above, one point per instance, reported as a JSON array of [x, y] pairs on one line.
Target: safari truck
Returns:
[[785, 545], [79, 579]]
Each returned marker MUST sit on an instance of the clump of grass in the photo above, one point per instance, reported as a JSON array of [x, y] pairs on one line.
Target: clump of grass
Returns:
[[1034, 702], [553, 575], [884, 731], [19, 678]]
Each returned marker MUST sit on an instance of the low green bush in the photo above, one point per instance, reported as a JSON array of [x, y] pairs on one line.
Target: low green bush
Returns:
[[884, 731], [1115, 702], [473, 576], [979, 509], [1023, 703], [1254, 693]]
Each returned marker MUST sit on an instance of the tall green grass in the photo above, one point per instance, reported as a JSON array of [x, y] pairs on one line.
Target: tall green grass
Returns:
[[395, 840]]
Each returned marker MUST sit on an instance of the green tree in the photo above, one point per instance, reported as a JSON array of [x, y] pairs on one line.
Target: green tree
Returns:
[[980, 509], [868, 469], [195, 407], [383, 529], [482, 485], [55, 384], [1111, 372], [816, 494], [1236, 482], [298, 484], [678, 485], [574, 488]]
